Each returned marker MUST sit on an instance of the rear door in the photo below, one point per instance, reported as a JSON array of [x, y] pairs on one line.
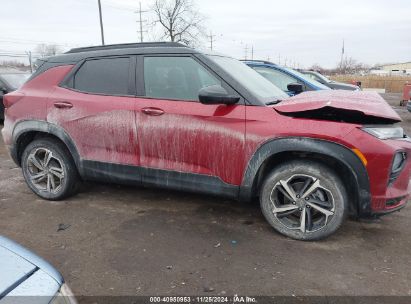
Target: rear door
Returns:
[[96, 106], [183, 143]]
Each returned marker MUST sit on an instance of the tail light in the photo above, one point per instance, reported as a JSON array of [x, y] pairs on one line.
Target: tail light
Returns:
[[11, 98]]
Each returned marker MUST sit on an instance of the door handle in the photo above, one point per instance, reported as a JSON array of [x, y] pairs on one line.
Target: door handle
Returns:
[[63, 105], [153, 111]]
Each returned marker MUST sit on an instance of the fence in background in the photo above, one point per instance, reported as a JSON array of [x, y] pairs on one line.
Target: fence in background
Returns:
[[391, 84]]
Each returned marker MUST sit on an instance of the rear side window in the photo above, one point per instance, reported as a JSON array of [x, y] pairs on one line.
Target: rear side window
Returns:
[[109, 76], [179, 78]]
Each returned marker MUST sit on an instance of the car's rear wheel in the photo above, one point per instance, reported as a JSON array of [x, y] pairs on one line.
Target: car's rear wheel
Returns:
[[49, 169], [304, 200]]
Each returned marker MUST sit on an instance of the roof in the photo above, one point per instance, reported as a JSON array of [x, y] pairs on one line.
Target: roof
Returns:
[[77, 54], [124, 46], [258, 61]]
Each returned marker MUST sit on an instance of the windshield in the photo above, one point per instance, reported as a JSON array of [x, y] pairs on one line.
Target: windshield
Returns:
[[250, 79], [15, 80], [307, 78], [318, 75]]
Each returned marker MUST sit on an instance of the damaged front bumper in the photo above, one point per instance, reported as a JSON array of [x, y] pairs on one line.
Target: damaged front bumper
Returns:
[[393, 190]]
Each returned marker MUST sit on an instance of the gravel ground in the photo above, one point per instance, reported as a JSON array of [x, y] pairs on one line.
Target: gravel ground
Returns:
[[138, 241]]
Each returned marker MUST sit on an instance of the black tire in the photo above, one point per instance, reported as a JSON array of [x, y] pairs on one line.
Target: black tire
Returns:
[[60, 167], [328, 194]]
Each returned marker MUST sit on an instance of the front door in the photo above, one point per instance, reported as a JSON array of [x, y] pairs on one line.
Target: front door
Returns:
[[183, 143]]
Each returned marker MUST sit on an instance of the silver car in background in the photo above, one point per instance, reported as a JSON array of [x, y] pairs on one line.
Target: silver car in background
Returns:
[[27, 278]]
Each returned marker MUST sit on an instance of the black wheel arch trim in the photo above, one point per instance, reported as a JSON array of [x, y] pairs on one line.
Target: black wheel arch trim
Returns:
[[310, 145], [26, 126]]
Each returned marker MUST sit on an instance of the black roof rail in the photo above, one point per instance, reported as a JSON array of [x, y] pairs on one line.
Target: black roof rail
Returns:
[[124, 46], [262, 61]]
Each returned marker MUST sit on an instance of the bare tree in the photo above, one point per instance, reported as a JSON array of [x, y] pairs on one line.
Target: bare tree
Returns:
[[316, 67], [47, 49], [347, 65], [352, 66], [180, 20]]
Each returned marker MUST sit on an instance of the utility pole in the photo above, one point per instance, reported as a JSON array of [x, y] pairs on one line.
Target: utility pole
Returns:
[[246, 51], [279, 59], [212, 40], [30, 61], [140, 11], [101, 22], [342, 55], [252, 52]]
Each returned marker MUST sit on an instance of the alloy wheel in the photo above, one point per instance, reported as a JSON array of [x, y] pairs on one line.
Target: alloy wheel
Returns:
[[45, 170], [302, 203]]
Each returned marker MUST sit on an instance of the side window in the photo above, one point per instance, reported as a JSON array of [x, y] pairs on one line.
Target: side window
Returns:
[[312, 76], [280, 79], [108, 76], [318, 79], [179, 78]]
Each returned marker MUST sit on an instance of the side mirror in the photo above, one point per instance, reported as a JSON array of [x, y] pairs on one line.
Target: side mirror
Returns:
[[3, 90], [296, 88], [216, 94]]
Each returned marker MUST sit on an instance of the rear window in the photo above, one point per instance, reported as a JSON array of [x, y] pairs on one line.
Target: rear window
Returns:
[[109, 76]]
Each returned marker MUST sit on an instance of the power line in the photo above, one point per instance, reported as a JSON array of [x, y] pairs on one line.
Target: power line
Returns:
[[11, 55], [342, 55], [101, 22], [30, 61], [245, 51], [20, 41], [212, 40], [106, 4], [140, 20]]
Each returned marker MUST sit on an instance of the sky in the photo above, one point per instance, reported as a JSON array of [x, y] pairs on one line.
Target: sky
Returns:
[[298, 33]]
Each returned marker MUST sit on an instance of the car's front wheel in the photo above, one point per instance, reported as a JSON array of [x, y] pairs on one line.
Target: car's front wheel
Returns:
[[49, 169], [304, 200]]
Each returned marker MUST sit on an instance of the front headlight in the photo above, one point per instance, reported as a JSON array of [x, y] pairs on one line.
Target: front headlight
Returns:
[[385, 132], [64, 296]]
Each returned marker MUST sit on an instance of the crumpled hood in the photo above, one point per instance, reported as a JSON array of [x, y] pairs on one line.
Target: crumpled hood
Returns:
[[356, 107]]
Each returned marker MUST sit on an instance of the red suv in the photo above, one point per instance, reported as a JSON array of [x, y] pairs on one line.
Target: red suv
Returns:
[[166, 115]]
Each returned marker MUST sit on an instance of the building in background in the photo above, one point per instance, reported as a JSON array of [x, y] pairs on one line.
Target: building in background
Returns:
[[397, 68]]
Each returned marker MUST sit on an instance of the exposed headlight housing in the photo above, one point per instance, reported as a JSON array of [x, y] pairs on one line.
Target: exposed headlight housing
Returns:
[[398, 163], [385, 132], [64, 296]]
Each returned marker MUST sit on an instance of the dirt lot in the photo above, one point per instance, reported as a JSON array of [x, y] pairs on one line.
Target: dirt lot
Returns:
[[137, 241]]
